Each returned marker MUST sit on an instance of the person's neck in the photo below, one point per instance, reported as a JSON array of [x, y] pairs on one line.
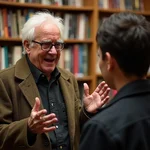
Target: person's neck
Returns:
[[122, 80], [48, 76]]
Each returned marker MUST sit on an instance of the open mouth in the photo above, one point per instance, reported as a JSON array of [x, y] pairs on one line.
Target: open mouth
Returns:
[[49, 60]]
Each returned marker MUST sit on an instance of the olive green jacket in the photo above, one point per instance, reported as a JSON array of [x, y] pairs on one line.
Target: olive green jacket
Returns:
[[17, 97]]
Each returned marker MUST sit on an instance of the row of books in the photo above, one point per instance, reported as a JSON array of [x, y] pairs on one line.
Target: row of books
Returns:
[[12, 21], [76, 26], [9, 55], [122, 4], [51, 2], [74, 58]]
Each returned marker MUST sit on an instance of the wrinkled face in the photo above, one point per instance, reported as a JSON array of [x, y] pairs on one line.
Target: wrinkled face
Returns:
[[45, 61]]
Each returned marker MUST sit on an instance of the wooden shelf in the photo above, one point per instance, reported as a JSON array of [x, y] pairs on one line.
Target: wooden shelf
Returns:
[[14, 41], [85, 78], [113, 10], [41, 6], [10, 39], [98, 75]]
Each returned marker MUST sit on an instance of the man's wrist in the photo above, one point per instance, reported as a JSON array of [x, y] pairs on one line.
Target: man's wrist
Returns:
[[88, 114]]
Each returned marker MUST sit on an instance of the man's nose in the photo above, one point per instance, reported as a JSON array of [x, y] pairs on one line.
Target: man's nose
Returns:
[[53, 50]]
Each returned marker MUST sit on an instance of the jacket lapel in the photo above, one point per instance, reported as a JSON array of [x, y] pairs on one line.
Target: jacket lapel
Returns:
[[68, 92], [29, 89], [27, 85]]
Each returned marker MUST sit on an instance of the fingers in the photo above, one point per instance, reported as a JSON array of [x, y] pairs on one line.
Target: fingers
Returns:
[[35, 117], [48, 129], [104, 89], [100, 86], [104, 100], [39, 122], [37, 103], [86, 89], [43, 124], [99, 102], [50, 118]]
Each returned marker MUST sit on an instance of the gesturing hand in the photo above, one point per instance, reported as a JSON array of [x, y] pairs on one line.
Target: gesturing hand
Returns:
[[97, 99], [38, 121]]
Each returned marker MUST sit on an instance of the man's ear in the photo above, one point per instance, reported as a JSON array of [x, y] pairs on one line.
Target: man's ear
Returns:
[[27, 46], [110, 61]]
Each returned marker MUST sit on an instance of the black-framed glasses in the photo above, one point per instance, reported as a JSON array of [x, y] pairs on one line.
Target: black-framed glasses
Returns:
[[46, 46]]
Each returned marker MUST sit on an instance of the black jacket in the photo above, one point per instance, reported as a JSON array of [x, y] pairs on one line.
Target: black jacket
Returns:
[[124, 124]]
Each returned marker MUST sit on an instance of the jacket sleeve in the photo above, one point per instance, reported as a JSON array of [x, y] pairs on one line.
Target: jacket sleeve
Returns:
[[12, 133]]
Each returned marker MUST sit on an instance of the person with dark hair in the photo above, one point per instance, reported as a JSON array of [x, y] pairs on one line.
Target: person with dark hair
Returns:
[[124, 59]]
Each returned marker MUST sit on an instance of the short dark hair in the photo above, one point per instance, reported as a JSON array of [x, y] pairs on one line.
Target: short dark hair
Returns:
[[126, 36]]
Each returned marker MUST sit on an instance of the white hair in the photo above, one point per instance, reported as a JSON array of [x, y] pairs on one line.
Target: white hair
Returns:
[[37, 19]]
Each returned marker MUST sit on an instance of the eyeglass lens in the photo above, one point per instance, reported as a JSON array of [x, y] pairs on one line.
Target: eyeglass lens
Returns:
[[49, 45]]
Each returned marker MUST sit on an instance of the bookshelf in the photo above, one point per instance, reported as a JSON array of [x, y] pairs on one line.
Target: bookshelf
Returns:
[[87, 9], [95, 13]]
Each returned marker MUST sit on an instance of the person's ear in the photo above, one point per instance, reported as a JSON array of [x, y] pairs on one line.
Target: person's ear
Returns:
[[27, 46], [110, 61]]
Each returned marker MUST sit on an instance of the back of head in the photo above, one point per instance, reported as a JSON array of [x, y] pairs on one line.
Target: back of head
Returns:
[[36, 20], [126, 36]]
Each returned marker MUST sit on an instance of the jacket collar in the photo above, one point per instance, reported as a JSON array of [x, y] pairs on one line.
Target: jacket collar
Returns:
[[22, 70], [131, 89]]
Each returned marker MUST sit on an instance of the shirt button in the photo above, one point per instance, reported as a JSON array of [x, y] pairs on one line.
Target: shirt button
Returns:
[[60, 147], [56, 126]]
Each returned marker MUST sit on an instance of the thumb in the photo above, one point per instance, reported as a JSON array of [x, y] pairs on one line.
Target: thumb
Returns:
[[37, 103], [86, 89]]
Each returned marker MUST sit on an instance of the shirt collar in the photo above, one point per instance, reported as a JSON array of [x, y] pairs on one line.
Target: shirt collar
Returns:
[[37, 73]]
